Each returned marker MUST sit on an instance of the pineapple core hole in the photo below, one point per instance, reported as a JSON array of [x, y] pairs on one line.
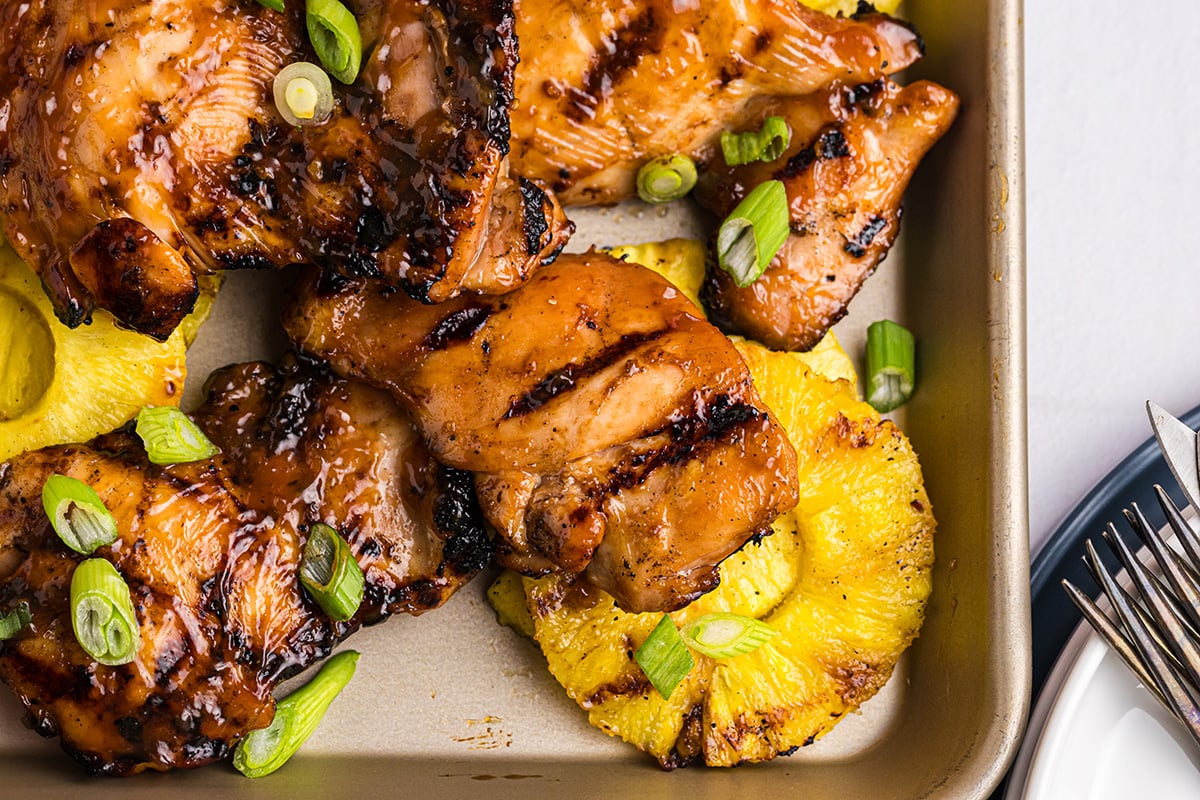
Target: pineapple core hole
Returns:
[[26, 355]]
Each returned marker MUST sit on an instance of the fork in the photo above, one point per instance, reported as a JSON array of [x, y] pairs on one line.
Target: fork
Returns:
[[1154, 626]]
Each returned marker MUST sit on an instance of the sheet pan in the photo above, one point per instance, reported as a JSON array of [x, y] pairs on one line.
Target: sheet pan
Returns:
[[452, 705]]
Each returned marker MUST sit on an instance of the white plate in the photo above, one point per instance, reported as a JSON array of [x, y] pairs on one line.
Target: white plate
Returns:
[[1097, 734]]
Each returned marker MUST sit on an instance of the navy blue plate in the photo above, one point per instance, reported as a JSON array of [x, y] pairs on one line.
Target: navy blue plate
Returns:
[[1054, 615]]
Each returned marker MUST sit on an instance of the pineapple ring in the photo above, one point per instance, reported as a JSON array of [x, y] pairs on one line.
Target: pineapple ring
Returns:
[[844, 577], [59, 384]]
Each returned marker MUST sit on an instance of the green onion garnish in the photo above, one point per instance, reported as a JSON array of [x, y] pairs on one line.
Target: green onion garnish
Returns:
[[303, 94], [171, 438], [330, 574], [664, 657], [765, 144], [274, 5], [725, 635], [333, 32], [296, 717], [15, 621], [751, 236], [102, 613], [666, 178], [890, 364], [78, 514]]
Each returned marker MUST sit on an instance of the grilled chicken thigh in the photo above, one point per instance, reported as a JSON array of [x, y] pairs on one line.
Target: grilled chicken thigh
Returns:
[[140, 145], [211, 550], [613, 430], [853, 151], [605, 86]]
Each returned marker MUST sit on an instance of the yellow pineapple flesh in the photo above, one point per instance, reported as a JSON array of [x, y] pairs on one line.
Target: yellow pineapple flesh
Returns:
[[60, 384]]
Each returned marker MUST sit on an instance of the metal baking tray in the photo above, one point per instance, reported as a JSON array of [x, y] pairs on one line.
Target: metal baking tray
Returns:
[[450, 704]]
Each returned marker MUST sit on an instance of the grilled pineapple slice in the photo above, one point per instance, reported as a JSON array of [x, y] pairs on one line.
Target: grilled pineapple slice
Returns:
[[844, 577], [59, 384]]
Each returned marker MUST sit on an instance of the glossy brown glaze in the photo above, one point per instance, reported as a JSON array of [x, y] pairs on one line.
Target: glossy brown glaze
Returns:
[[211, 551], [194, 687], [853, 151], [605, 86], [611, 428], [163, 113]]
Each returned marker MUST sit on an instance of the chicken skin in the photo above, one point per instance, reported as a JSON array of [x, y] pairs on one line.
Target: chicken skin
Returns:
[[211, 550], [613, 431], [141, 145]]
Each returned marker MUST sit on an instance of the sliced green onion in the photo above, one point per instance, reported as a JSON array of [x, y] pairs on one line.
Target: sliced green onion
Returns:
[[171, 438], [102, 613], [751, 236], [666, 178], [15, 621], [725, 635], [303, 94], [333, 32], [296, 717], [664, 658], [890, 364], [274, 5], [78, 514], [765, 144], [330, 574]]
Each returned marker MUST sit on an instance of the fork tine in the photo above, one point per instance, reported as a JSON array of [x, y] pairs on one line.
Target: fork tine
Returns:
[[1164, 615], [1173, 687], [1116, 639], [1093, 565], [1183, 531], [1186, 592]]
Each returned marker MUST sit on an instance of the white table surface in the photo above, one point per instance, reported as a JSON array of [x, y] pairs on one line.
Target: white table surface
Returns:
[[1113, 172]]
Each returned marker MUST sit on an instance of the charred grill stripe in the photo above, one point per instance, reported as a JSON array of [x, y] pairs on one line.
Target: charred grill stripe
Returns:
[[484, 36], [457, 515], [246, 261], [830, 143], [688, 437], [619, 52], [565, 378], [534, 221], [857, 246], [458, 326], [130, 729], [864, 96]]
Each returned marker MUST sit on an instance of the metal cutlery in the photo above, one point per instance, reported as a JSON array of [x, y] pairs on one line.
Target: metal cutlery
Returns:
[[1153, 620]]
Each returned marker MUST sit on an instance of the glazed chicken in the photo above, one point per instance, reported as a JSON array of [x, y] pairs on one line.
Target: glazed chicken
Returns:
[[605, 86], [614, 432], [211, 551], [853, 151], [141, 145]]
